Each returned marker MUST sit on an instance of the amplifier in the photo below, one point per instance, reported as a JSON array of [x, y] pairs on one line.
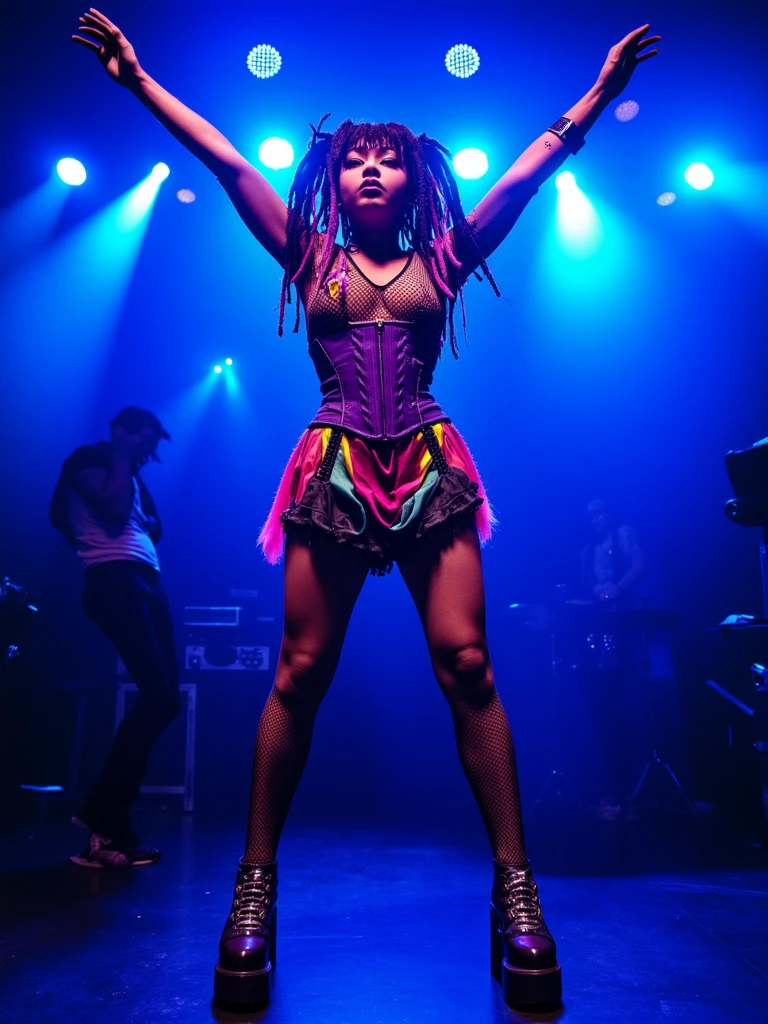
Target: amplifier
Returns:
[[225, 658]]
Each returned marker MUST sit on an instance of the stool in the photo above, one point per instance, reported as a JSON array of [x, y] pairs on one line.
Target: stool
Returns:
[[188, 789], [43, 793]]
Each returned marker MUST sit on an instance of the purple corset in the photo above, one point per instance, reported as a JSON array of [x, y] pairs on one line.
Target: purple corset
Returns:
[[375, 379]]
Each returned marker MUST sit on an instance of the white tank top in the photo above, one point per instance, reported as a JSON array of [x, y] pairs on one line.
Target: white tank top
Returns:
[[98, 540]]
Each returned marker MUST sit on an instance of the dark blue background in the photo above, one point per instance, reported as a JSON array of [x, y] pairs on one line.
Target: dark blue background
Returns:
[[627, 376]]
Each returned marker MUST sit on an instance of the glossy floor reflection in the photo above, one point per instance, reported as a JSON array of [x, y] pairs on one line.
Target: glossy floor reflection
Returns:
[[374, 929]]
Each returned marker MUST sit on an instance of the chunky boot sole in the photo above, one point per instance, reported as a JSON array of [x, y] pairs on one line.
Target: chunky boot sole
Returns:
[[238, 989], [523, 988]]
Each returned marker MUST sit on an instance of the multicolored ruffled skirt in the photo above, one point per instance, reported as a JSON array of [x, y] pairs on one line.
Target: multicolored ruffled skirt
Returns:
[[378, 496]]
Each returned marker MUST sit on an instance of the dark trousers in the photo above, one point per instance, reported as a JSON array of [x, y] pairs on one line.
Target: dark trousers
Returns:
[[127, 602]]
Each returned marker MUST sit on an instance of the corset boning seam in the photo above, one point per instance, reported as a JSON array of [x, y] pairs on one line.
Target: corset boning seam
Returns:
[[338, 378]]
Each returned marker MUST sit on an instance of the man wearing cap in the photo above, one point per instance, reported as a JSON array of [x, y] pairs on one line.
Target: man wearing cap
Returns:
[[103, 508]]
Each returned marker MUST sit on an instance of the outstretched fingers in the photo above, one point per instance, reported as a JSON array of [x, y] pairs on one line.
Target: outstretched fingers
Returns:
[[102, 18], [97, 33], [650, 41], [89, 44], [634, 36]]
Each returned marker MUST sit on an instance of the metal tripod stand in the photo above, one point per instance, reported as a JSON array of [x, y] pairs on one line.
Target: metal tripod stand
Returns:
[[655, 771], [558, 788]]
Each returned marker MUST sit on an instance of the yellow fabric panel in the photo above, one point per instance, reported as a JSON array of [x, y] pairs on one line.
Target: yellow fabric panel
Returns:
[[424, 464]]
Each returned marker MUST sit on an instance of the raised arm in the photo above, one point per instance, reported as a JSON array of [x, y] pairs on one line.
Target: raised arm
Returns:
[[110, 492], [260, 207], [496, 213]]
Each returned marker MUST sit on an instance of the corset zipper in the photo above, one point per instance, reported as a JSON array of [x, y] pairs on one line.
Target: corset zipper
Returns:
[[380, 343]]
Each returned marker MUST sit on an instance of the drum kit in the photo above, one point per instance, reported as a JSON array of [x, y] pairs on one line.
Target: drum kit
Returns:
[[589, 637]]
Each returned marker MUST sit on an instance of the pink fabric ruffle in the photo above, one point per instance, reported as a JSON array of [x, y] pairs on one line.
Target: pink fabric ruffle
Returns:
[[385, 477]]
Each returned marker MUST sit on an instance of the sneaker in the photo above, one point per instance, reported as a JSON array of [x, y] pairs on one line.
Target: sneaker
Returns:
[[100, 852], [122, 852]]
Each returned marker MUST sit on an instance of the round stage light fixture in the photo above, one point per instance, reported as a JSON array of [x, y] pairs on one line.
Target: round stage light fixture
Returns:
[[627, 110], [161, 171], [264, 61], [228, 361], [470, 164], [217, 368], [71, 171], [564, 181], [699, 176], [186, 195], [276, 153], [462, 60], [666, 198]]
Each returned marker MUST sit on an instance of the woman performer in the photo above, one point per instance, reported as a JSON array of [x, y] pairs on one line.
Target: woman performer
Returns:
[[381, 475]]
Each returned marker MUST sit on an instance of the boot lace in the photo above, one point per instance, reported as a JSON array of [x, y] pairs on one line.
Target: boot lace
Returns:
[[521, 900], [253, 899]]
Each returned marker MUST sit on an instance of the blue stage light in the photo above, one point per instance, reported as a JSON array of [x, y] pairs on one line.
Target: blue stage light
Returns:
[[71, 171], [217, 368], [470, 164], [578, 227], [228, 361], [276, 153], [699, 176], [264, 61], [161, 171], [462, 60]]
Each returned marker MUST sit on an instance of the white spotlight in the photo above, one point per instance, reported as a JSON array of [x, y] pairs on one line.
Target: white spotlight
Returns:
[[470, 164], [161, 171], [462, 60], [71, 171], [699, 176], [276, 153], [627, 110], [264, 61], [564, 181]]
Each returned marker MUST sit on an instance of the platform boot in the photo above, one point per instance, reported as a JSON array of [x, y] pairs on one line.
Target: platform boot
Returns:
[[523, 955], [248, 947]]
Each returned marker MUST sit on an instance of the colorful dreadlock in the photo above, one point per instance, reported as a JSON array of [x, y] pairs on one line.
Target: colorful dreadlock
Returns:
[[435, 209]]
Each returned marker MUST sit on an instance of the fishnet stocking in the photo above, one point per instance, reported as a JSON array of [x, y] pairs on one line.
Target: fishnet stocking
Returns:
[[485, 747], [487, 756], [282, 746]]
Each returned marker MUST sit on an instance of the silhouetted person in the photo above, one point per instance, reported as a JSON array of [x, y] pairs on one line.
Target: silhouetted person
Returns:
[[612, 562], [104, 510]]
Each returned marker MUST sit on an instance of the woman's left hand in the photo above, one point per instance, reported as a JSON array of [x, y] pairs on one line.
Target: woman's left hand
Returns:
[[622, 60]]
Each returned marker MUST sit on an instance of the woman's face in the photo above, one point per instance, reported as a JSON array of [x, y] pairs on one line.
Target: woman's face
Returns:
[[373, 189]]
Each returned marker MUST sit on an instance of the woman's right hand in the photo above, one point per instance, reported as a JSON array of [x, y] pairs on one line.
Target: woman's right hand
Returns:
[[110, 46]]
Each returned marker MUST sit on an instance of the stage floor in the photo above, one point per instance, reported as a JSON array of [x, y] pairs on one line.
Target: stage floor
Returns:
[[374, 929]]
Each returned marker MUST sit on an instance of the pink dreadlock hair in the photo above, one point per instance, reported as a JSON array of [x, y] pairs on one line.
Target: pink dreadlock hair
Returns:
[[435, 209]]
